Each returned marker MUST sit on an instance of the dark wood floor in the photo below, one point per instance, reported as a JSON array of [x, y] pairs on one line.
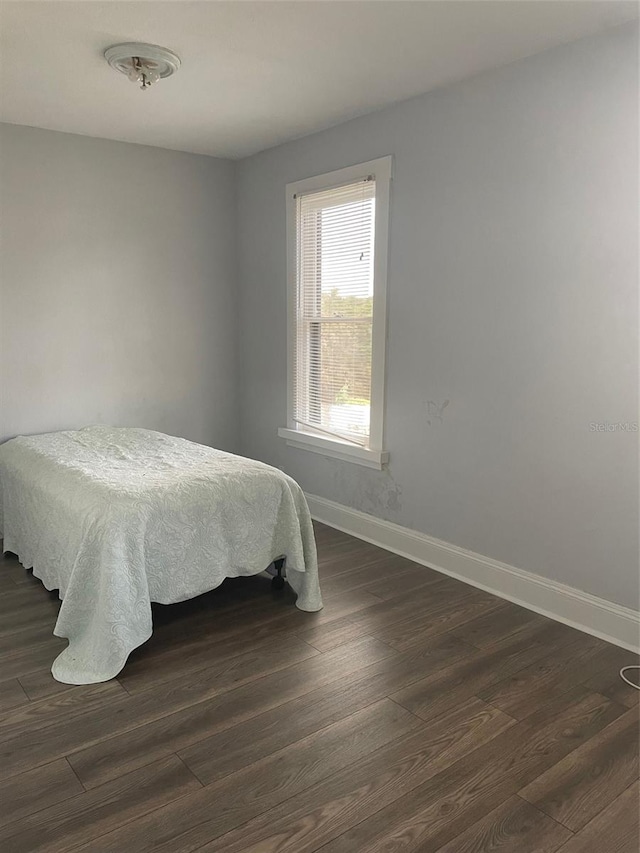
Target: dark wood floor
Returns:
[[413, 713]]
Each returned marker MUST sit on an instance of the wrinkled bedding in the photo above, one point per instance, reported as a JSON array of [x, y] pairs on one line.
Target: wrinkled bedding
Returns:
[[116, 518]]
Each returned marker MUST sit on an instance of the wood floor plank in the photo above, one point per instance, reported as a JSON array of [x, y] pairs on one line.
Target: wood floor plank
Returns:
[[514, 827], [431, 814], [339, 558], [329, 635], [555, 731], [81, 819], [217, 611], [434, 694], [327, 535], [388, 569], [19, 575], [31, 596], [219, 808], [614, 830], [209, 652], [505, 620], [572, 663], [383, 614], [577, 788], [417, 582], [22, 660], [37, 618], [212, 618], [37, 789], [41, 684], [609, 683], [336, 558], [335, 607], [34, 632], [121, 748], [231, 749], [30, 720], [215, 621], [7, 582], [323, 812], [523, 692], [441, 617], [12, 695], [60, 736], [402, 576]]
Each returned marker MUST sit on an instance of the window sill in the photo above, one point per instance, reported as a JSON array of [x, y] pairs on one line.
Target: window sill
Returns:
[[335, 448]]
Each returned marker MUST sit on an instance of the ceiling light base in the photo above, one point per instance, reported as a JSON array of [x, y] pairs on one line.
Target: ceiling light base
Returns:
[[142, 63]]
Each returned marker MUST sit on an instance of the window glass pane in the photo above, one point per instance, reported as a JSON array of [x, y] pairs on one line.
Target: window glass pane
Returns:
[[345, 376], [347, 260], [335, 256]]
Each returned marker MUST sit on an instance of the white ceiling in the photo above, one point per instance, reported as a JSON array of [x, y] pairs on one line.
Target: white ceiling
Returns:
[[256, 74]]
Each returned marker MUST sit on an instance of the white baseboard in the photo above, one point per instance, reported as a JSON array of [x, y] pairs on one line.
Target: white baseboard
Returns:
[[588, 613]]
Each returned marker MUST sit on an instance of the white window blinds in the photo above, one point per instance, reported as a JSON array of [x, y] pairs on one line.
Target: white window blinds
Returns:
[[334, 310]]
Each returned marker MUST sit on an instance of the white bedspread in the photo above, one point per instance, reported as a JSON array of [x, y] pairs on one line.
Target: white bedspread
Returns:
[[118, 518]]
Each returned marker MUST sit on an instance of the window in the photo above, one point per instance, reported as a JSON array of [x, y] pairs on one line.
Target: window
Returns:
[[337, 264]]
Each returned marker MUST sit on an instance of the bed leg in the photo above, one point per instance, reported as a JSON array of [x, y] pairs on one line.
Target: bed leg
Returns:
[[277, 581]]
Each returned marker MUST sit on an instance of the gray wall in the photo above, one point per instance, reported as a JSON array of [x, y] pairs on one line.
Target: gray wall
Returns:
[[513, 294], [118, 299]]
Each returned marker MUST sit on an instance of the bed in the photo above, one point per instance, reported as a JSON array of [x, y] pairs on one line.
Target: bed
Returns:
[[117, 518]]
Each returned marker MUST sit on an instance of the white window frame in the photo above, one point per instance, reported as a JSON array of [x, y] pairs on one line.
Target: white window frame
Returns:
[[373, 456]]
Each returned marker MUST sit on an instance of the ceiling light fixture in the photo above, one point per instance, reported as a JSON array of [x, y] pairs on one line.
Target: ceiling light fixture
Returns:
[[142, 63]]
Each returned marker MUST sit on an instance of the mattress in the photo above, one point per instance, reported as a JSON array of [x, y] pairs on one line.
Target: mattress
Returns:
[[118, 518]]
